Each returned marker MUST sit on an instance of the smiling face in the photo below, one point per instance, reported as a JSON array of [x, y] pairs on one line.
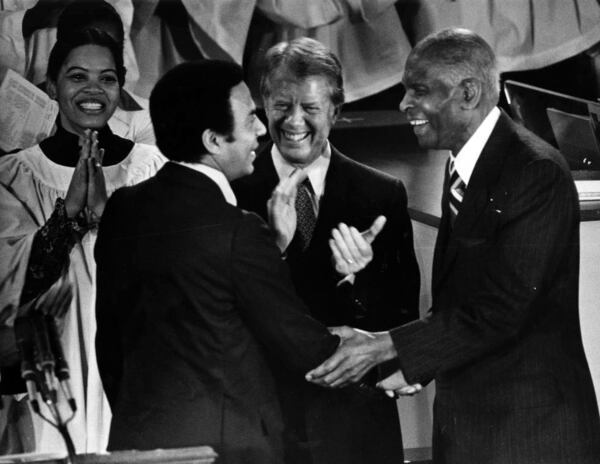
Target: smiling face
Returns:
[[300, 114], [86, 88], [432, 104], [239, 148]]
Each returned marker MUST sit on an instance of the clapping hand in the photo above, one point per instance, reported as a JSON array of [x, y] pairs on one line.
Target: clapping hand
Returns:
[[96, 191], [76, 198], [351, 250], [87, 190], [281, 208]]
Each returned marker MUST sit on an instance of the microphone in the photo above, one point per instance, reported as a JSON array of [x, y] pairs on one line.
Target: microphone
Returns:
[[61, 368], [24, 339], [43, 356]]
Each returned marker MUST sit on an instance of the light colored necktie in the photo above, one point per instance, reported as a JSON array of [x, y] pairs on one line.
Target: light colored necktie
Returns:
[[305, 214]]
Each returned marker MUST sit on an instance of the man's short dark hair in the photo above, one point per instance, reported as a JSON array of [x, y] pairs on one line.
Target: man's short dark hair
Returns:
[[62, 49], [304, 57], [189, 99], [84, 14]]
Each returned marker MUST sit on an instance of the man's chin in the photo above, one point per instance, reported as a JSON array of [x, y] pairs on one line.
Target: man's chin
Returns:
[[426, 143], [298, 157]]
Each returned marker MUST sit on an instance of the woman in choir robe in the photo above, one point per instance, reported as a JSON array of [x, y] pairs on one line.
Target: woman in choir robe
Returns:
[[52, 196]]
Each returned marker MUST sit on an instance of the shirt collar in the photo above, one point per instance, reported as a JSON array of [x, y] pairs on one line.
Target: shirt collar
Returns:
[[317, 170], [468, 155], [216, 176]]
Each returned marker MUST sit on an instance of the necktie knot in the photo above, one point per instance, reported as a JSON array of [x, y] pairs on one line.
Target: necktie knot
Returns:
[[306, 218]]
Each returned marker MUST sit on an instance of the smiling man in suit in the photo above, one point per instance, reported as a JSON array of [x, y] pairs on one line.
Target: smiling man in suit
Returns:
[[502, 340], [192, 290], [302, 90]]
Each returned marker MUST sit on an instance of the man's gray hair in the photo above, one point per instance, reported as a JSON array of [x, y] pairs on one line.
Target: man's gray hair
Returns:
[[462, 53]]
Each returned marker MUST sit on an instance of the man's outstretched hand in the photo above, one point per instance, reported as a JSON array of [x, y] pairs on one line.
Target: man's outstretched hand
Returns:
[[358, 353]]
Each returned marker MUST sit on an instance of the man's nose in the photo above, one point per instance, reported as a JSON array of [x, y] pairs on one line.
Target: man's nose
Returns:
[[406, 102], [295, 115], [260, 128]]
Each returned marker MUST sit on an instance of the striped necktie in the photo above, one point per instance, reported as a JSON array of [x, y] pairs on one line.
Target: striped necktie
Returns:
[[456, 190], [306, 218]]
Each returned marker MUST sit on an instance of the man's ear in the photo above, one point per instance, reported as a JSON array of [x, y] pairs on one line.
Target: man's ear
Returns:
[[212, 141], [51, 89], [471, 89], [336, 113]]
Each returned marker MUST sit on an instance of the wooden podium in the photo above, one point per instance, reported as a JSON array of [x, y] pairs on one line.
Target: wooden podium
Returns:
[[194, 455]]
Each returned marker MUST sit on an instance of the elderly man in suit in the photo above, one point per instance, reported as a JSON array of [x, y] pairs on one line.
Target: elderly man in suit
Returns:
[[502, 340], [302, 90], [192, 290]]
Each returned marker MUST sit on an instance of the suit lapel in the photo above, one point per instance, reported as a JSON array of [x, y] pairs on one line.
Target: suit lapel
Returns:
[[476, 198], [444, 231]]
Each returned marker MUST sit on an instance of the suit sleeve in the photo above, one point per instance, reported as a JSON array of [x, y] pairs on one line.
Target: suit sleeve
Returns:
[[538, 221], [269, 303], [111, 297], [389, 291]]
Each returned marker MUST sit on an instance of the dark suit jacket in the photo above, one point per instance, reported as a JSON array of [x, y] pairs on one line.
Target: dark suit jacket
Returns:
[[191, 291], [503, 340], [345, 426]]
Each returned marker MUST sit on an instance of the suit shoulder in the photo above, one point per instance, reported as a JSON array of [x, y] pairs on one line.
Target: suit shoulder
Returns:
[[535, 165], [532, 149], [250, 219], [367, 178]]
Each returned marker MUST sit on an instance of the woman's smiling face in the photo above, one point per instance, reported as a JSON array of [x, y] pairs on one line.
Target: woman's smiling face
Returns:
[[87, 88]]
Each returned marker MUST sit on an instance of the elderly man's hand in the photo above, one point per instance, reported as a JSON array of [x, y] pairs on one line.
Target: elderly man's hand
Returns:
[[351, 250], [359, 352], [281, 208]]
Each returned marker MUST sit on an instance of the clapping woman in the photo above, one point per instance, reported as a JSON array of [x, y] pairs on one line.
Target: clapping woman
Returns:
[[52, 196]]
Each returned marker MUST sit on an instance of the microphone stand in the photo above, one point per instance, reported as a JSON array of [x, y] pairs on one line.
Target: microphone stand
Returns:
[[45, 363]]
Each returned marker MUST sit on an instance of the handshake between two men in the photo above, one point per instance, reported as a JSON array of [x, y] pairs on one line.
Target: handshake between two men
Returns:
[[359, 351]]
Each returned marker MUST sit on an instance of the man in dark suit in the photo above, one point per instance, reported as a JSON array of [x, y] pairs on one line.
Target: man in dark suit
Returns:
[[302, 90], [502, 341], [192, 290]]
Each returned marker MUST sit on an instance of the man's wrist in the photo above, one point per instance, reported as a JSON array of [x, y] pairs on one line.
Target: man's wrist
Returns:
[[385, 346]]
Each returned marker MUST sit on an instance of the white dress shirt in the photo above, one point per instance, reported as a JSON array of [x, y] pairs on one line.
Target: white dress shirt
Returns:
[[467, 157], [216, 176]]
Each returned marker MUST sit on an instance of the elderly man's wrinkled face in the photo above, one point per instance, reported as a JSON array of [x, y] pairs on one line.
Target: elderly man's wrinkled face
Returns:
[[300, 114], [432, 104]]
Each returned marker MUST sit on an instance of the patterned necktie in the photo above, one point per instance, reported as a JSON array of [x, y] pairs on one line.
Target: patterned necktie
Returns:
[[456, 190], [305, 214]]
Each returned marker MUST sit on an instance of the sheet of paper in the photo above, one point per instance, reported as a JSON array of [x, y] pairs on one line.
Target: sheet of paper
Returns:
[[27, 114]]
